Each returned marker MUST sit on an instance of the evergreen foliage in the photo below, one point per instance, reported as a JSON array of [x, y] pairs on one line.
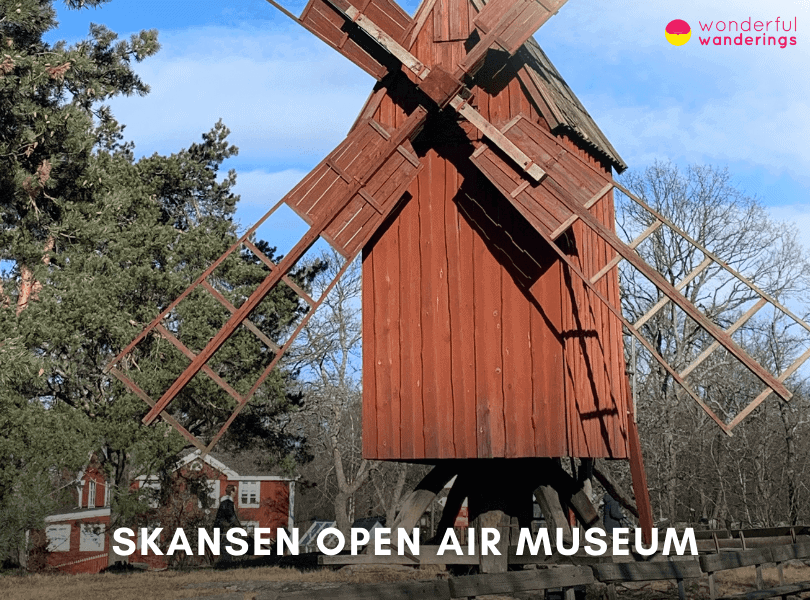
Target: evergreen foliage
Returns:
[[93, 243]]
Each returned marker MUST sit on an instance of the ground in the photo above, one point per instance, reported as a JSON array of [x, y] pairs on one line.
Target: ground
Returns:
[[266, 583]]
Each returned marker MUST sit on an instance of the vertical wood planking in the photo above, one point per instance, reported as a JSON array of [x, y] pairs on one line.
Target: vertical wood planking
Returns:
[[460, 274], [548, 363], [488, 352], [369, 367], [411, 418], [517, 370], [473, 366]]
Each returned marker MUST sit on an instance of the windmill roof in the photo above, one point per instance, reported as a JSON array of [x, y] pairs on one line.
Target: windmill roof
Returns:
[[571, 115]]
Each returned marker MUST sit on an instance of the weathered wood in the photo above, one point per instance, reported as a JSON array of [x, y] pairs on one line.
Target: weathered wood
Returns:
[[428, 555], [549, 502], [612, 488], [434, 590], [783, 591], [790, 552], [490, 562], [520, 581], [420, 498], [639, 478], [647, 571], [733, 560]]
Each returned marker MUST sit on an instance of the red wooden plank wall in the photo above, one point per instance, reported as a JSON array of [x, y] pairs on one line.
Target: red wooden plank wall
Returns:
[[471, 350]]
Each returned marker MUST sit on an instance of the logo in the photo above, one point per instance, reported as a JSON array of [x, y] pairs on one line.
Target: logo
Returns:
[[678, 32]]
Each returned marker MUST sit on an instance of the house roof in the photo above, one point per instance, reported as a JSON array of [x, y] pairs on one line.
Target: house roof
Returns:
[[245, 466], [81, 513]]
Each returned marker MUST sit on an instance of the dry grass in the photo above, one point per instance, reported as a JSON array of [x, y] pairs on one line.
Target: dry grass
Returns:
[[171, 584]]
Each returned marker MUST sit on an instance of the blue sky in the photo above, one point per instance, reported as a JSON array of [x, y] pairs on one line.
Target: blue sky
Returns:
[[289, 99]]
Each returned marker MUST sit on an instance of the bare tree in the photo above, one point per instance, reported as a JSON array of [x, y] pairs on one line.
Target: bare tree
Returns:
[[681, 442], [328, 353]]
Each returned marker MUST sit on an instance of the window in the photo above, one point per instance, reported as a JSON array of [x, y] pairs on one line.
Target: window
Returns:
[[250, 526], [249, 493], [58, 538], [213, 493], [107, 493], [91, 495], [91, 538], [153, 496]]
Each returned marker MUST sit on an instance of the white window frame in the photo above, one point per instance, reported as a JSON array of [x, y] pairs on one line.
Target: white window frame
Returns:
[[107, 496], [60, 543], [91, 494], [247, 488], [91, 537]]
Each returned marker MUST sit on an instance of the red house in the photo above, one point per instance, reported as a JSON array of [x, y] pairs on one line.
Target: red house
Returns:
[[78, 541]]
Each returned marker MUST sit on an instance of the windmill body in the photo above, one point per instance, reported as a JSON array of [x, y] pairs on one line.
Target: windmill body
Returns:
[[477, 341]]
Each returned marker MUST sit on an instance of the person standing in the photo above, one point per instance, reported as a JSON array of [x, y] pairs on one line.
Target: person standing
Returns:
[[611, 513], [225, 519]]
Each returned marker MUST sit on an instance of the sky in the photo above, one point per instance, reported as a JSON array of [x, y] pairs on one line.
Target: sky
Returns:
[[288, 99]]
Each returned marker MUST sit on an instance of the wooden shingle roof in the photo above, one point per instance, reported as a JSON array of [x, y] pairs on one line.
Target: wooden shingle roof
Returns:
[[559, 105]]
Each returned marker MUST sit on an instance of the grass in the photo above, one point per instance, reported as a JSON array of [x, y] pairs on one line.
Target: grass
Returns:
[[171, 584]]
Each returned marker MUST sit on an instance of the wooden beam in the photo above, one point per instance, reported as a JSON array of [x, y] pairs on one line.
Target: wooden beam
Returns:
[[682, 284], [190, 288], [658, 280], [170, 337], [498, 138], [617, 313], [734, 327], [767, 392], [136, 389], [713, 256], [411, 125], [634, 244], [574, 218], [247, 322]]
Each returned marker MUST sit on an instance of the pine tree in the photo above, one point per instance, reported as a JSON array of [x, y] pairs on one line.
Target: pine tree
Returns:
[[95, 243]]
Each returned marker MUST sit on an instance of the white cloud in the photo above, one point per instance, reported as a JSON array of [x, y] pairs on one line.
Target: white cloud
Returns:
[[287, 97], [712, 104]]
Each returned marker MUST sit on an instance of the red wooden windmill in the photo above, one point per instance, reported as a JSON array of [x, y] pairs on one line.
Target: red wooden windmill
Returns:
[[479, 191]]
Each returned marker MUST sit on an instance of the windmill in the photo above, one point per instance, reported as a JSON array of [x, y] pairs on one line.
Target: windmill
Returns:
[[480, 194]]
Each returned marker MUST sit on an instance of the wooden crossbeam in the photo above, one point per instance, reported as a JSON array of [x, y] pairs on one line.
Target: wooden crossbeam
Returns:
[[411, 125], [634, 244], [573, 218], [205, 274], [715, 345], [682, 284], [269, 368], [767, 391], [136, 389], [667, 288], [247, 322], [285, 278], [498, 138], [711, 255], [172, 339]]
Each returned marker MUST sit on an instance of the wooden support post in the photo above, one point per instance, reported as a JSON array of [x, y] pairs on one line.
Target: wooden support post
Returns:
[[549, 502], [420, 498], [639, 477], [490, 562]]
